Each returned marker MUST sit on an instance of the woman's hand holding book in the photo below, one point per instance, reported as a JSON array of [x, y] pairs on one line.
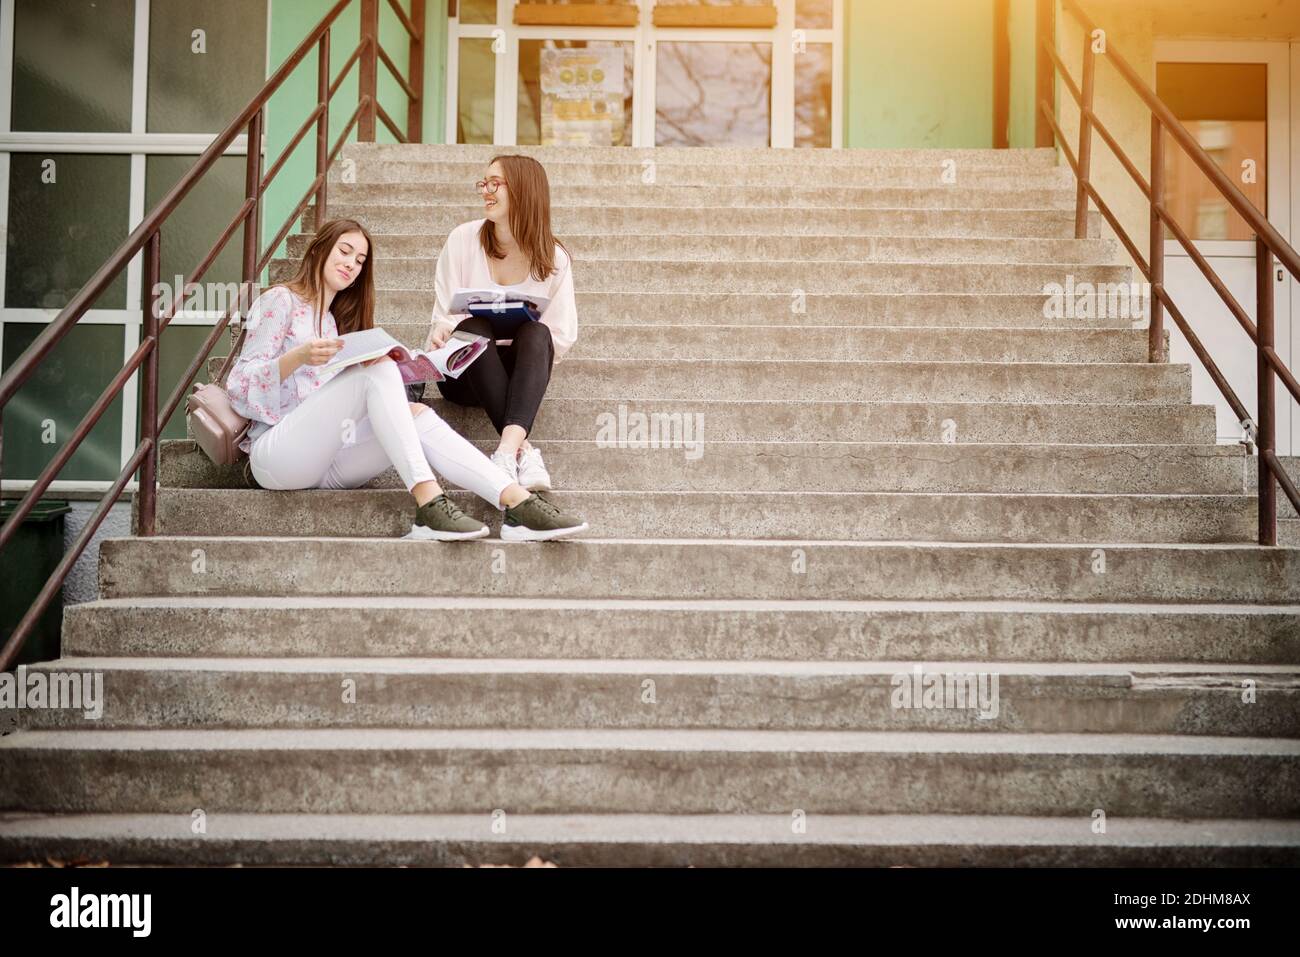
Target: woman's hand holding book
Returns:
[[319, 351]]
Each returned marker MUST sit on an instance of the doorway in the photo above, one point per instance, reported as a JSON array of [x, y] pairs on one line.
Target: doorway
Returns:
[[646, 84], [1237, 99]]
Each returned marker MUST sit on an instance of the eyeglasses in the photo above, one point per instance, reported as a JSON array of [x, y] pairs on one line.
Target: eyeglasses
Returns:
[[491, 184]]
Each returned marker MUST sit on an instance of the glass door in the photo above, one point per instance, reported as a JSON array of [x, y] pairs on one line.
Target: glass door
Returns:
[[694, 73], [1233, 97]]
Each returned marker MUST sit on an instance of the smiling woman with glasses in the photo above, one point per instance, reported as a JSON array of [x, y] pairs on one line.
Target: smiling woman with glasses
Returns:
[[511, 247]]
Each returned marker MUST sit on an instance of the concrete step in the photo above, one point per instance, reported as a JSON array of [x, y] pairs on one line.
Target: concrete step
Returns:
[[885, 343], [682, 459], [794, 515], [682, 629], [651, 840], [613, 176], [980, 697], [699, 569], [941, 309], [695, 156], [692, 385], [586, 247], [1291, 463], [778, 276], [403, 771], [863, 381], [709, 219], [937, 196], [775, 420]]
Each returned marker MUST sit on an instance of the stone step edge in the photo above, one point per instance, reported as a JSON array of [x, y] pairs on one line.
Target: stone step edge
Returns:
[[1179, 674], [900, 830], [917, 331], [633, 741], [732, 261], [1226, 548], [468, 603], [1227, 500], [775, 237]]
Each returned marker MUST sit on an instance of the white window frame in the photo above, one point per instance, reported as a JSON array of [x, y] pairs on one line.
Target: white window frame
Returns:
[[139, 145], [644, 37]]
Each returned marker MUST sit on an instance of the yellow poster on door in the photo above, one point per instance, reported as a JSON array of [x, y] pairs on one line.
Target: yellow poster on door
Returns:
[[582, 97]]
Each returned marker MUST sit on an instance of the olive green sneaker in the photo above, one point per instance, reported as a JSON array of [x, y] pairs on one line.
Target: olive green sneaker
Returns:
[[536, 519], [441, 521]]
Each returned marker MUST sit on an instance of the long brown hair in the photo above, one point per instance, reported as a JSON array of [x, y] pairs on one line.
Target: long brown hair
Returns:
[[353, 307], [529, 213]]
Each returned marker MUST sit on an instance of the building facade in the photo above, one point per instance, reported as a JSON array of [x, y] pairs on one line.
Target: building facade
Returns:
[[105, 104]]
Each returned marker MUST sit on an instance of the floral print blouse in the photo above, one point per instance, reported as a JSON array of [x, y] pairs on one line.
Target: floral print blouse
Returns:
[[278, 320]]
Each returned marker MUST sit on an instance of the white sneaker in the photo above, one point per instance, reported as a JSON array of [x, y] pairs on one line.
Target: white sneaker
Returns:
[[506, 463], [532, 472]]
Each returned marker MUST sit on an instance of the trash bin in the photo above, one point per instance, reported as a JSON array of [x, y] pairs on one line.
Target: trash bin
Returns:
[[26, 564]]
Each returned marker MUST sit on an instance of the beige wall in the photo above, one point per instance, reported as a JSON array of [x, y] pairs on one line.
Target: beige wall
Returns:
[[1130, 30]]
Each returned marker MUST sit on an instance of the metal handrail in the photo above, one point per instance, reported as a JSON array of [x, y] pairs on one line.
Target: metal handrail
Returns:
[[147, 238], [1268, 243]]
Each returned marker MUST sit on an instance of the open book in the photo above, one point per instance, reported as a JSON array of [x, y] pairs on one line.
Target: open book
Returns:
[[506, 310], [416, 365]]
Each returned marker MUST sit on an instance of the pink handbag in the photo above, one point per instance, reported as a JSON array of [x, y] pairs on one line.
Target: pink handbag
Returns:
[[217, 427]]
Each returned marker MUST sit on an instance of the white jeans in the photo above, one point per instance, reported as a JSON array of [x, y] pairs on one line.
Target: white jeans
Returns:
[[358, 424]]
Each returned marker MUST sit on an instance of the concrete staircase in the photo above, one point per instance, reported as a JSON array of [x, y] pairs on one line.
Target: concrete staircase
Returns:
[[932, 473]]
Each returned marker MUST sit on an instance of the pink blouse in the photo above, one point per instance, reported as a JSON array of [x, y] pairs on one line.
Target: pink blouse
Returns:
[[463, 264], [278, 320]]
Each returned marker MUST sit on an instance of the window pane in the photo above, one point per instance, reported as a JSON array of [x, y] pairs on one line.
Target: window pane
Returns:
[[814, 14], [60, 232], [477, 11], [575, 93], [179, 345], [712, 94], [476, 91], [197, 223], [42, 416], [200, 92], [1225, 107], [72, 65], [812, 96]]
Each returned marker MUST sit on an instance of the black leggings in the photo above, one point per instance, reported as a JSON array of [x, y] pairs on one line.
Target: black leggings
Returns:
[[507, 381]]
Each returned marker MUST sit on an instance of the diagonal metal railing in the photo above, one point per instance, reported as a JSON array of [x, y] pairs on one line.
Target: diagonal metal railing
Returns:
[[147, 237], [1268, 244]]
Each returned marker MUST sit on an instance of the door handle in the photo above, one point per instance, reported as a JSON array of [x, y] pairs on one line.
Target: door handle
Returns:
[[1279, 274]]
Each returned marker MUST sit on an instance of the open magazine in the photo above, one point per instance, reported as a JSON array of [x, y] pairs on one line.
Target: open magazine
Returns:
[[416, 365], [505, 309]]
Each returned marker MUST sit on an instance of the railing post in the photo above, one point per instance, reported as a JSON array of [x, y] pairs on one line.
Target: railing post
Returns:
[[367, 85], [252, 225], [149, 431], [415, 58], [1156, 327], [1266, 440], [323, 126], [1085, 139]]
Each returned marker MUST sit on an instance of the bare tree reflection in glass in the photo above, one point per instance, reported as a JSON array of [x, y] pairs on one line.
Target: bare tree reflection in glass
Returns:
[[709, 93]]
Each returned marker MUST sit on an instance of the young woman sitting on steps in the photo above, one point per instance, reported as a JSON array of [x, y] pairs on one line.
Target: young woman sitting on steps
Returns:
[[512, 246], [338, 429]]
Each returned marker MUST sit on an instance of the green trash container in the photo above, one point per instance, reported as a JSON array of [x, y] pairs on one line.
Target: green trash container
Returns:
[[25, 566]]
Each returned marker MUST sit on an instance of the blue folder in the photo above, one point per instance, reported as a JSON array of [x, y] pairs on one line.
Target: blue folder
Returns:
[[507, 317]]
